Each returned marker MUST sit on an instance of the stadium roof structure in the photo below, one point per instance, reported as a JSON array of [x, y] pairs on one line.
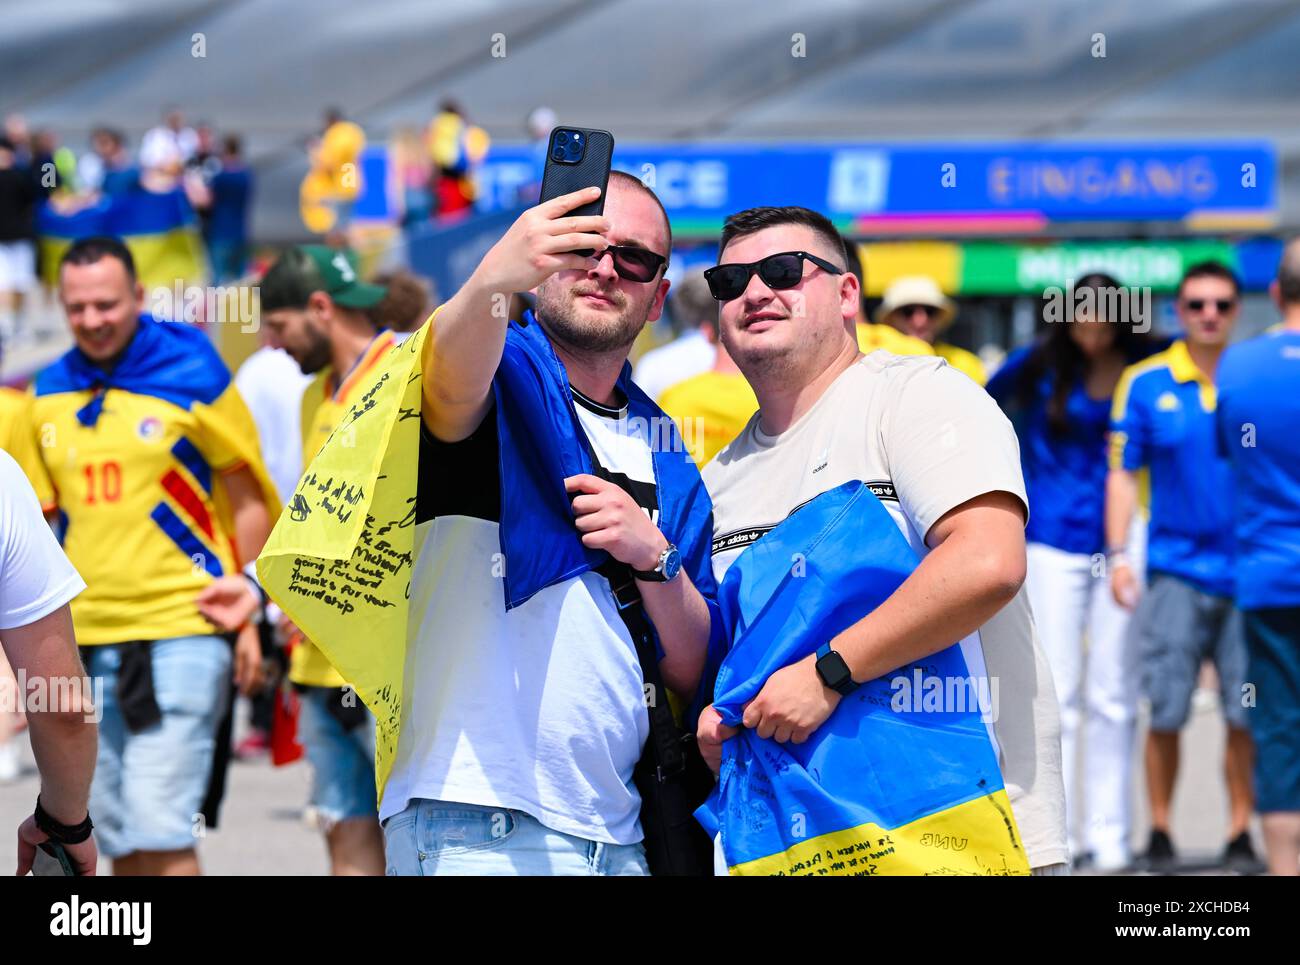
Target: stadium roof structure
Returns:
[[881, 70]]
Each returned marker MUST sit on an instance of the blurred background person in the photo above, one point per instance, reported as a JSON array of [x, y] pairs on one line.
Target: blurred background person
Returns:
[[411, 177], [541, 121], [1259, 429], [916, 306], [159, 479], [873, 335], [20, 190], [710, 408], [1163, 422], [694, 322], [316, 306], [333, 183], [225, 229], [457, 148], [406, 305], [1057, 392], [167, 148]]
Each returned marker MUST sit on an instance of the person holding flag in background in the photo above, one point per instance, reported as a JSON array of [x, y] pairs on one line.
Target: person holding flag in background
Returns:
[[852, 452], [152, 459]]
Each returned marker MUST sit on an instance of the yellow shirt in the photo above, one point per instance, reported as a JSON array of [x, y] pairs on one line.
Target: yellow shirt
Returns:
[[967, 363], [322, 411], [18, 438], [710, 409], [872, 336], [140, 490], [340, 145]]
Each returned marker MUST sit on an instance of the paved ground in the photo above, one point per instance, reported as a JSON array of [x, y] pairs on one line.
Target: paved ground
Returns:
[[263, 833]]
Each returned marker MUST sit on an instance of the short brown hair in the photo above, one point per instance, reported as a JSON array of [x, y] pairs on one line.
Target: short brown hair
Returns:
[[752, 220], [407, 304]]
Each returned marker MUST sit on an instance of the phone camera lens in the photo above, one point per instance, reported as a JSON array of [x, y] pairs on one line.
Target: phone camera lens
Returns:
[[558, 154], [562, 138]]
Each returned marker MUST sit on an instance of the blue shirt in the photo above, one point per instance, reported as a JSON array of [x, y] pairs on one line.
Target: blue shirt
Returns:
[[1259, 431], [1065, 473], [1164, 420], [231, 190]]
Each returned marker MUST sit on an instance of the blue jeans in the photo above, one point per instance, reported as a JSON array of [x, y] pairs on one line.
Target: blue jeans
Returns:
[[444, 838], [342, 761], [148, 788]]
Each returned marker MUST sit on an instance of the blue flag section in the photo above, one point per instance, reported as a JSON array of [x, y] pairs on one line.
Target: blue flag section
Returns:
[[894, 782]]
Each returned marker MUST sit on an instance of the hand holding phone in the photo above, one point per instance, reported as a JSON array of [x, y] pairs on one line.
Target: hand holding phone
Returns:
[[541, 242]]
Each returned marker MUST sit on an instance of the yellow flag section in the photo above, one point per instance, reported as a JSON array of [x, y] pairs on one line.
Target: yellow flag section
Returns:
[[957, 842], [339, 560]]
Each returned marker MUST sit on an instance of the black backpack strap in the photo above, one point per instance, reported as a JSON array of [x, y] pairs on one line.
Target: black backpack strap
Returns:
[[665, 736]]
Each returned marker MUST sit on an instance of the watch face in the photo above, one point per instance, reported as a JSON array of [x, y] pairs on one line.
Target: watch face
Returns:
[[672, 563], [834, 671]]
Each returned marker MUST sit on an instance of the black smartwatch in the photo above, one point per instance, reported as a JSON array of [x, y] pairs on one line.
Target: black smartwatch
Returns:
[[669, 565], [834, 671]]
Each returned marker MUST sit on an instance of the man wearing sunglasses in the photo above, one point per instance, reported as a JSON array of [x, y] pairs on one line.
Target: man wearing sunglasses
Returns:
[[552, 493], [942, 460], [1163, 421], [916, 306]]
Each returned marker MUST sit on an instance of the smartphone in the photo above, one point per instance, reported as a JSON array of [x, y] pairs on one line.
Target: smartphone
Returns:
[[52, 860], [577, 158]]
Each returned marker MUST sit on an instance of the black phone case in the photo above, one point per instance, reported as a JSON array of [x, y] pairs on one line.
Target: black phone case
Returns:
[[592, 170]]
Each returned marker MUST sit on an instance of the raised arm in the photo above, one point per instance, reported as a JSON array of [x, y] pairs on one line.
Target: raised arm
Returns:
[[468, 333]]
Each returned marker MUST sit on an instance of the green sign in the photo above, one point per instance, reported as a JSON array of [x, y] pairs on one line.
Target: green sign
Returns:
[[991, 268]]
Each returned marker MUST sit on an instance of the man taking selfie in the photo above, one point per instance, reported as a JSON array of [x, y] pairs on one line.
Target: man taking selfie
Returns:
[[527, 711]]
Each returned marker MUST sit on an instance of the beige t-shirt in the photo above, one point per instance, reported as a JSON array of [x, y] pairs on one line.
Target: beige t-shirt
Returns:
[[925, 438]]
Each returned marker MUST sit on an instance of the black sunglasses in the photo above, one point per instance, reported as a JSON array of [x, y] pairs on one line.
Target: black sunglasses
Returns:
[[907, 311], [632, 264], [1224, 305], [779, 271]]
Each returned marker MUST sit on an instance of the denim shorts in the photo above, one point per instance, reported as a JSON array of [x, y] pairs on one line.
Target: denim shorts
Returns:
[[342, 761], [148, 789], [1178, 627], [444, 838], [1273, 638]]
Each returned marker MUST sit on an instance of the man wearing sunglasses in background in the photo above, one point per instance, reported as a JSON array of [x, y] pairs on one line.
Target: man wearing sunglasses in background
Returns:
[[942, 460], [1163, 420], [917, 306], [525, 714]]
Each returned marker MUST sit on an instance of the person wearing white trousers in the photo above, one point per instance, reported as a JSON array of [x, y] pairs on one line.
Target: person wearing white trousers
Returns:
[[1095, 670], [1057, 392]]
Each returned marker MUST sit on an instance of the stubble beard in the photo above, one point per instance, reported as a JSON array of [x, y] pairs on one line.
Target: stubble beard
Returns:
[[587, 332]]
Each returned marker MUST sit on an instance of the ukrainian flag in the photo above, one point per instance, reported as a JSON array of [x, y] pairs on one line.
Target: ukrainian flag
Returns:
[[889, 784], [161, 229]]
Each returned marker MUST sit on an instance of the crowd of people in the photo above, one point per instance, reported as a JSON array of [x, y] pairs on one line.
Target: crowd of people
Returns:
[[1104, 515]]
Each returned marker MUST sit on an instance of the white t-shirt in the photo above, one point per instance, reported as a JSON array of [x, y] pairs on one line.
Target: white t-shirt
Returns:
[[683, 358], [271, 385], [35, 577], [540, 708], [925, 439]]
